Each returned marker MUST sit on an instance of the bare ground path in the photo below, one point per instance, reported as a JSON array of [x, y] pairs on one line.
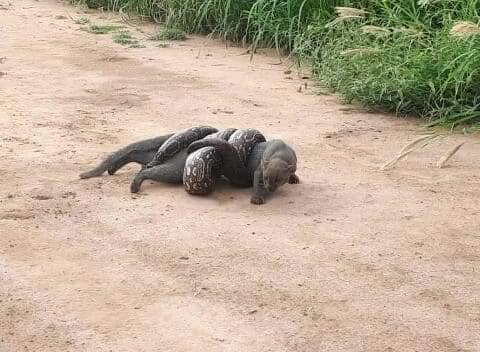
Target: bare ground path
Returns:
[[352, 259]]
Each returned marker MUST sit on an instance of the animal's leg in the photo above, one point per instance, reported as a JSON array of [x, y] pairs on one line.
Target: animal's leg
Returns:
[[135, 156], [293, 179], [259, 191], [169, 172]]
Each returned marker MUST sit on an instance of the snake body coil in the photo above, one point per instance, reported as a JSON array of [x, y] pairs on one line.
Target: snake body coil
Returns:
[[178, 142], [204, 164]]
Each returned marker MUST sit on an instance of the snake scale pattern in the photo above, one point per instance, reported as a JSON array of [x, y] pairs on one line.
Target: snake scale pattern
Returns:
[[204, 165], [180, 141], [201, 170], [244, 141]]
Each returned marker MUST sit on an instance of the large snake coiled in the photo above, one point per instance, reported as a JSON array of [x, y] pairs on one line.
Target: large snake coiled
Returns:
[[204, 165]]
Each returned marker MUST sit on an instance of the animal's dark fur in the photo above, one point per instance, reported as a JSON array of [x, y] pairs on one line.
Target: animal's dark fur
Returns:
[[139, 152], [270, 165]]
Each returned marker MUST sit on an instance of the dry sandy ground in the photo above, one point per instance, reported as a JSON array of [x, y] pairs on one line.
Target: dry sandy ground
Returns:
[[352, 259]]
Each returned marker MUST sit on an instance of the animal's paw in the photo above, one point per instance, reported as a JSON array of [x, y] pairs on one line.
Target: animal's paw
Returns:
[[257, 200], [89, 174], [293, 179], [135, 186], [154, 162]]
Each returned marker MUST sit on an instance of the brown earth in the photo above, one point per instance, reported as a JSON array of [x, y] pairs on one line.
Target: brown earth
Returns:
[[352, 259]]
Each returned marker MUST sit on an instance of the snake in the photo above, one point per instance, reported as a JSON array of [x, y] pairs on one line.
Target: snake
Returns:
[[179, 141], [204, 165]]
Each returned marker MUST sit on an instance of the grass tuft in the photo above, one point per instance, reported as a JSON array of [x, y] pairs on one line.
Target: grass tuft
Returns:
[[82, 20], [169, 34], [419, 57], [126, 38], [101, 29]]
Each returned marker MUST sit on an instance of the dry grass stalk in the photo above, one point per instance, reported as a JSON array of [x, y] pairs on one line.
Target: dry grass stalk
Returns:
[[423, 3], [395, 160], [464, 29], [340, 20], [359, 51], [409, 149], [416, 141], [441, 163], [375, 30], [350, 12], [408, 31], [346, 14]]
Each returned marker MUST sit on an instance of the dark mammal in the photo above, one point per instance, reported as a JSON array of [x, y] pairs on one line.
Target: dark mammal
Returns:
[[276, 168], [170, 171], [269, 165]]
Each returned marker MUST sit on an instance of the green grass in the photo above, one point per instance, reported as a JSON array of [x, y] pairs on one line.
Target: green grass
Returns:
[[398, 56], [82, 20], [124, 38], [95, 4], [101, 29], [169, 34]]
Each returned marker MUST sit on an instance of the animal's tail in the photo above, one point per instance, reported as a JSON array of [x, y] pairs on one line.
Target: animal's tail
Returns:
[[122, 156], [100, 169]]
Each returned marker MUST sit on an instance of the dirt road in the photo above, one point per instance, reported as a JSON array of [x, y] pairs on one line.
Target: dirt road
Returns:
[[352, 259]]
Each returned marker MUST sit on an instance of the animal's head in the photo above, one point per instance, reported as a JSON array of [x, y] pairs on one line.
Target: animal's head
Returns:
[[276, 173]]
